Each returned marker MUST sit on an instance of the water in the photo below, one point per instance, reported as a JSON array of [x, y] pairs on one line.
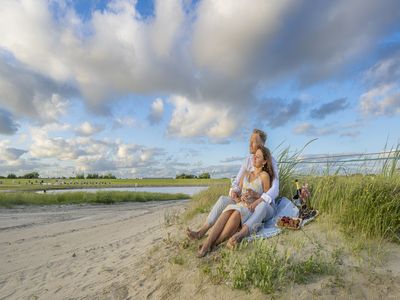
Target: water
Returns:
[[189, 190]]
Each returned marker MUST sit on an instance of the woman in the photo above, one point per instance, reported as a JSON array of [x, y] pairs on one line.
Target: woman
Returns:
[[234, 215]]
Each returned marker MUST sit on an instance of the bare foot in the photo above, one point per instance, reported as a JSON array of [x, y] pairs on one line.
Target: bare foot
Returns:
[[203, 250], [193, 235], [234, 240]]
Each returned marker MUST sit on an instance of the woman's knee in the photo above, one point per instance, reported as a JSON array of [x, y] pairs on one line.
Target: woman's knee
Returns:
[[236, 215]]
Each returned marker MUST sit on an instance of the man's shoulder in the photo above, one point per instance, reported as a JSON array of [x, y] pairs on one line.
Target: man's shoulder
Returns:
[[247, 159]]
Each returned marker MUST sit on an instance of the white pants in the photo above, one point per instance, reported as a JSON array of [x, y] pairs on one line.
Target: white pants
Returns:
[[262, 212]]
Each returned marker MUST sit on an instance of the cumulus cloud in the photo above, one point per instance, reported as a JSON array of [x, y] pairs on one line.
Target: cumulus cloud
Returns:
[[329, 108], [194, 119], [381, 100], [343, 130], [227, 35], [157, 111], [87, 129], [277, 112], [383, 96], [12, 160], [214, 51], [385, 70], [311, 130], [125, 121], [87, 154], [8, 125], [29, 94], [10, 153]]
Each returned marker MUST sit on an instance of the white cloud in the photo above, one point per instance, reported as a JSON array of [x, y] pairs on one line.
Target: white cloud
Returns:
[[196, 51], [195, 119], [45, 147], [126, 121], [51, 110], [8, 153], [8, 125], [157, 111], [227, 35], [381, 100], [383, 96], [167, 27], [312, 130], [87, 129]]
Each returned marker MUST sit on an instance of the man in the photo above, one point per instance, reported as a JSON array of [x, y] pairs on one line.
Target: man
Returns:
[[262, 208]]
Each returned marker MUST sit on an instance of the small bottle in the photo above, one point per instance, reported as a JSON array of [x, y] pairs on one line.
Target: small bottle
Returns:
[[298, 190]]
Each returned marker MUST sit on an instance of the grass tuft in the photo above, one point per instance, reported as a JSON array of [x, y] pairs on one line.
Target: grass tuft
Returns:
[[260, 265]]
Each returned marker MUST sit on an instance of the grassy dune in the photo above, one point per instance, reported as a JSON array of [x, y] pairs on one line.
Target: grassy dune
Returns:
[[29, 198], [365, 207]]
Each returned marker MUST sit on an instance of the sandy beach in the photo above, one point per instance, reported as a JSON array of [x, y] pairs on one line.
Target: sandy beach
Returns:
[[78, 252], [139, 251]]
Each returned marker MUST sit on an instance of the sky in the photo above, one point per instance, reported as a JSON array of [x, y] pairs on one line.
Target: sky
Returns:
[[156, 88]]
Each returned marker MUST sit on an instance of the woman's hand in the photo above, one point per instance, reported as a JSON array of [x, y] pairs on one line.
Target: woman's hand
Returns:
[[253, 205], [235, 196], [252, 194]]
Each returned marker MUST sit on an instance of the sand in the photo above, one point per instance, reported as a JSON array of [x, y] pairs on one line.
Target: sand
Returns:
[[78, 252], [139, 251]]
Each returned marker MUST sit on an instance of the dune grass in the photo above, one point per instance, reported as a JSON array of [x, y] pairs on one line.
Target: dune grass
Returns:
[[28, 198], [358, 205], [262, 265], [367, 205]]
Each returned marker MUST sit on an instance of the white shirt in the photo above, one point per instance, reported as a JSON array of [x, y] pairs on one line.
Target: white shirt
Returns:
[[270, 195]]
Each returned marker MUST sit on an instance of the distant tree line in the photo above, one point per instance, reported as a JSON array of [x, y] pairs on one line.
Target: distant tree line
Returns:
[[95, 176], [31, 175], [35, 175], [191, 176]]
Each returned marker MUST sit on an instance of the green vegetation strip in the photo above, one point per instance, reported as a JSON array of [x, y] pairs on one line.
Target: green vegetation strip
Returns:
[[260, 265], [366, 205], [48, 184], [11, 199]]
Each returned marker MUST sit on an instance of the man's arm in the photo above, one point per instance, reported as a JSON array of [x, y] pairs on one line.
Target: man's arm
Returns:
[[273, 192], [235, 187]]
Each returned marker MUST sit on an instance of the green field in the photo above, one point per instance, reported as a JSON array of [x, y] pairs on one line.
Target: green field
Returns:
[[48, 184], [9, 200]]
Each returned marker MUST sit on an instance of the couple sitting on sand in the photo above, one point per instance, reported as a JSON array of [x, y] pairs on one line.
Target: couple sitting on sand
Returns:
[[251, 199]]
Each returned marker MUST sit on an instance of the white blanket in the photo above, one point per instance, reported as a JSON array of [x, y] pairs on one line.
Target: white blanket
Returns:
[[284, 207]]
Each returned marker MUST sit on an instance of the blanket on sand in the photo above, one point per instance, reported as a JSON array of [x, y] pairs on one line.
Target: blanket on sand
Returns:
[[284, 207]]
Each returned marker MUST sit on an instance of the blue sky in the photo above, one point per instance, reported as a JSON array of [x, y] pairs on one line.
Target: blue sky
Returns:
[[156, 88]]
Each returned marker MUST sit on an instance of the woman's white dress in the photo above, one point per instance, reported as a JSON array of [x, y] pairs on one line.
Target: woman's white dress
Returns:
[[255, 185]]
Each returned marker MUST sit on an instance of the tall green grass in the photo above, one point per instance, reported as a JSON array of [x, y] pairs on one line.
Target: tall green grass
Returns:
[[367, 205], [18, 198]]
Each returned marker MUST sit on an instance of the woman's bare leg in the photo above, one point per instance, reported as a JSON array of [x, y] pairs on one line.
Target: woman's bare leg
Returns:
[[214, 233], [231, 226]]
